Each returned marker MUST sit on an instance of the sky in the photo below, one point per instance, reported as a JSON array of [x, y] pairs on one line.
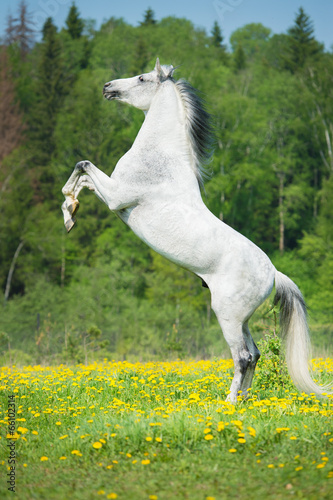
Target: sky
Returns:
[[278, 15]]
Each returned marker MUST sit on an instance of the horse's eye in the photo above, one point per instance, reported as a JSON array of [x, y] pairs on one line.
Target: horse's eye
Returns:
[[141, 78]]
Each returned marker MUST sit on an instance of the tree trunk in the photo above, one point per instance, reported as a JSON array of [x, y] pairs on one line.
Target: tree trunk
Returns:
[[281, 214], [11, 270]]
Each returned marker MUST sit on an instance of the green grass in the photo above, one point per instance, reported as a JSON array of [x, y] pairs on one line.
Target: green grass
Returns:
[[164, 432]]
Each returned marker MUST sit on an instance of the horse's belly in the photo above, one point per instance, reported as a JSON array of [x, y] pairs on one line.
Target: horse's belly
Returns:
[[182, 234]]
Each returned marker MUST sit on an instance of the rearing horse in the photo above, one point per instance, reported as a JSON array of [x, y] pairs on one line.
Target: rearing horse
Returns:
[[155, 190]]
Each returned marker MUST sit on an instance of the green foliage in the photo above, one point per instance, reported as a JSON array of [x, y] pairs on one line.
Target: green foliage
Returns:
[[74, 23], [271, 368], [271, 174], [302, 43]]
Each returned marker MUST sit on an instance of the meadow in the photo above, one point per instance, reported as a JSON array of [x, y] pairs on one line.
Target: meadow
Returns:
[[162, 430]]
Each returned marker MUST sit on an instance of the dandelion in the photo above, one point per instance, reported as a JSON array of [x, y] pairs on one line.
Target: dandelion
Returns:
[[62, 458], [145, 462], [271, 466], [158, 439], [232, 450], [112, 495], [43, 459], [153, 497], [58, 423], [148, 438], [299, 468], [64, 437], [35, 433], [97, 445], [208, 437]]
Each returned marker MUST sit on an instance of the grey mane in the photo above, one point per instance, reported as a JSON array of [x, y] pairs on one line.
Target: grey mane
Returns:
[[199, 128]]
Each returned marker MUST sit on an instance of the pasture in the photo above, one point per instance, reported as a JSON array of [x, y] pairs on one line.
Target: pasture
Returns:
[[162, 430]]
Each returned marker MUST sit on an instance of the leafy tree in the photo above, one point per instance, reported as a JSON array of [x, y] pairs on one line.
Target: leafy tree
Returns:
[[252, 38], [11, 124], [74, 23], [302, 43]]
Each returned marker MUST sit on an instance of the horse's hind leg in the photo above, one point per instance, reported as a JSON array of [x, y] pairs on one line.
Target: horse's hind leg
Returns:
[[255, 355], [242, 356]]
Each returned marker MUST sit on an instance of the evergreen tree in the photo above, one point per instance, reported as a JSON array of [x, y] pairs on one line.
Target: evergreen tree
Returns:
[[239, 58], [302, 43], [49, 91], [217, 37], [74, 23], [148, 18]]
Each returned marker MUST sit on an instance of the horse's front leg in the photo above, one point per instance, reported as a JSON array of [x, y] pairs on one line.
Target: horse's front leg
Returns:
[[86, 174], [71, 190]]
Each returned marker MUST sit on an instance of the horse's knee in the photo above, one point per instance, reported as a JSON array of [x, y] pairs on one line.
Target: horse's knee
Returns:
[[81, 166]]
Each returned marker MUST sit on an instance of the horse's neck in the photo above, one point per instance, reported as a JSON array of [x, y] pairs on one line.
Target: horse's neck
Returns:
[[164, 125]]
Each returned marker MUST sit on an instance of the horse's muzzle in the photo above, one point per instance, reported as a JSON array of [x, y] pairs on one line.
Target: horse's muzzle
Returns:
[[109, 93]]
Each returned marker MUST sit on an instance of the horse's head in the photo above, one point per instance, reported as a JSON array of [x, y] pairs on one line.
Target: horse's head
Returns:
[[138, 90]]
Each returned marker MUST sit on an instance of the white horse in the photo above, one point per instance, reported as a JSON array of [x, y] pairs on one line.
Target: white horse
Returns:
[[155, 190]]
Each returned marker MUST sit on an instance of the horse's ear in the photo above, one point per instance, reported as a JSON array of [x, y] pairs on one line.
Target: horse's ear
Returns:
[[158, 67]]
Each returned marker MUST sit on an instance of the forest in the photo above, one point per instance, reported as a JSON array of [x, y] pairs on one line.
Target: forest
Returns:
[[99, 292]]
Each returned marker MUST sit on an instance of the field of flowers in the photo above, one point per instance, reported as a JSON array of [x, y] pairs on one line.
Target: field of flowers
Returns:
[[162, 430]]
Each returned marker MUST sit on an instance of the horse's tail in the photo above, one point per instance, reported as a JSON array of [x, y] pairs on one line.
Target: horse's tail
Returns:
[[295, 332]]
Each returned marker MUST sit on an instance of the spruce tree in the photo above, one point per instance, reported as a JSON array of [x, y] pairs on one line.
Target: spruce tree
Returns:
[[74, 23], [302, 43], [148, 18], [49, 91], [217, 37], [239, 58]]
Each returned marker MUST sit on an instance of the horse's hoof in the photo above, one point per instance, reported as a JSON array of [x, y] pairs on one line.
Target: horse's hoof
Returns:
[[73, 208], [69, 224]]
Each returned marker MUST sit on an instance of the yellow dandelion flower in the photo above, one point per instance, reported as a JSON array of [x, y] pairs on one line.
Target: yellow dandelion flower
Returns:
[[22, 430], [145, 462], [62, 458], [64, 437], [101, 492], [299, 468], [112, 495], [58, 423], [102, 441], [148, 438], [232, 450], [210, 498], [35, 433], [158, 439], [97, 445], [271, 466], [320, 466], [43, 459], [128, 455], [241, 440], [153, 497], [208, 437]]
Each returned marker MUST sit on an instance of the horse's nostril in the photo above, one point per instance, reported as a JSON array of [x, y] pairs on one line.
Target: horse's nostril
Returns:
[[107, 85]]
